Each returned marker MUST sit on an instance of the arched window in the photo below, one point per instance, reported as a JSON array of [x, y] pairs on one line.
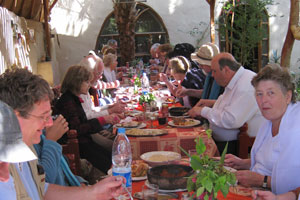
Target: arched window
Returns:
[[245, 34], [149, 29]]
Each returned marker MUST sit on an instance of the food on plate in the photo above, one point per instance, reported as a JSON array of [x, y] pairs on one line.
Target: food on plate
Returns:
[[145, 132], [139, 168], [162, 158], [184, 122], [170, 100], [128, 124], [240, 190]]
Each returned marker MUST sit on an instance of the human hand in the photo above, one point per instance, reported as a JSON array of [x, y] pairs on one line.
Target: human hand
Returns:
[[205, 103], [108, 188], [58, 129], [181, 92], [121, 115], [233, 161], [163, 77], [263, 195], [195, 112], [119, 75], [111, 119], [118, 107], [249, 178]]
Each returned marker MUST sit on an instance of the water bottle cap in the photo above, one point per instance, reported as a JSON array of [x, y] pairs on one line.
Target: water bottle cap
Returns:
[[121, 130], [144, 73]]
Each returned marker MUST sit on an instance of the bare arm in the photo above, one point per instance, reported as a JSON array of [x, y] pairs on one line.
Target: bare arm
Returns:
[[267, 195], [189, 92], [105, 189], [236, 162]]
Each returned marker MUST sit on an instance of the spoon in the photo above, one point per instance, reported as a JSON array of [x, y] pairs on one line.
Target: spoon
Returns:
[[124, 186]]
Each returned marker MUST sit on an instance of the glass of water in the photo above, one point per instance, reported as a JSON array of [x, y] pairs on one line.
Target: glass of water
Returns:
[[150, 192]]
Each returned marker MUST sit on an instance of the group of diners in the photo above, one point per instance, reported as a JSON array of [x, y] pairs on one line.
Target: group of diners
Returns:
[[213, 84]]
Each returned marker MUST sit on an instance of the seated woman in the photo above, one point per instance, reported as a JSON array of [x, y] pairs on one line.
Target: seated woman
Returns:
[[76, 82], [185, 77], [273, 162], [164, 50], [109, 74]]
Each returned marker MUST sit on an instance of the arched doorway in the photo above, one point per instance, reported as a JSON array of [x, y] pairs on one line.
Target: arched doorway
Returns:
[[149, 29]]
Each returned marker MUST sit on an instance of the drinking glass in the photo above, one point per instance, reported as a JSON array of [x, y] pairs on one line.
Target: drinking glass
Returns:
[[150, 192]]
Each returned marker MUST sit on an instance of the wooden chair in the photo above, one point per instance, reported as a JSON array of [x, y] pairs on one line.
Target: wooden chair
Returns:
[[71, 151], [244, 142]]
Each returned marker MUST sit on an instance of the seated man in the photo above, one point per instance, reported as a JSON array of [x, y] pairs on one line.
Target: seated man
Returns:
[[95, 63], [211, 90], [235, 107], [30, 96]]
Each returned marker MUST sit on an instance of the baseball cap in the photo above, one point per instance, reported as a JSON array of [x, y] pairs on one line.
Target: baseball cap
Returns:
[[12, 147], [205, 54]]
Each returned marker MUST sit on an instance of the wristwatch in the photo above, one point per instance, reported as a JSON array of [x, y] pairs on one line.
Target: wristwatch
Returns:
[[265, 183]]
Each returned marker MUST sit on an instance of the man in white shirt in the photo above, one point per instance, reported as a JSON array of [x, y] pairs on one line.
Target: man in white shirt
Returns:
[[29, 96], [235, 107]]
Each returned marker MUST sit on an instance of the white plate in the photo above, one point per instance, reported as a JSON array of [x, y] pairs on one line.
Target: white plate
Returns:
[[166, 191], [142, 125], [141, 178], [169, 155], [232, 170], [195, 123]]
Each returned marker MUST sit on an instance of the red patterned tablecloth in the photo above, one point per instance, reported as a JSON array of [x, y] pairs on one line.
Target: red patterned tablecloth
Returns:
[[184, 137], [137, 187]]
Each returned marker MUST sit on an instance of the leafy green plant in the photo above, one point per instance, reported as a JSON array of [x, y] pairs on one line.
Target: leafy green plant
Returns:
[[210, 176], [241, 25], [146, 98], [296, 77]]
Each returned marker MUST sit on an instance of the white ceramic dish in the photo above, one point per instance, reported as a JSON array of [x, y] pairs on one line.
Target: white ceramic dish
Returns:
[[165, 191], [194, 122], [232, 170], [155, 158]]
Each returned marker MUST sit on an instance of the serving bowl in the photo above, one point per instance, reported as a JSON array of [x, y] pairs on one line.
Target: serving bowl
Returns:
[[178, 111], [154, 158], [169, 177]]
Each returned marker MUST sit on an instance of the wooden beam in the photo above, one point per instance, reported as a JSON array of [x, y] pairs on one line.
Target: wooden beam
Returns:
[[52, 5], [47, 30]]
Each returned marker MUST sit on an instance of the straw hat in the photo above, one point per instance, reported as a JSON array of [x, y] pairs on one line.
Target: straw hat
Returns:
[[205, 54]]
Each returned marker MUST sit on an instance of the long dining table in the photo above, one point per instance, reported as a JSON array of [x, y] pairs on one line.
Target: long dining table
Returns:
[[183, 137]]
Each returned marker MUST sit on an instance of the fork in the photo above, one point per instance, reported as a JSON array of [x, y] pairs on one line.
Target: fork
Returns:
[[128, 192]]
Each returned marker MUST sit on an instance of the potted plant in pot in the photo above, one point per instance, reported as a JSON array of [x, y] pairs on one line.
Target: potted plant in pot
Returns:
[[210, 175]]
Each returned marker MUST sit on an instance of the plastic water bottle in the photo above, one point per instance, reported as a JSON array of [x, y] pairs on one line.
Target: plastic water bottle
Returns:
[[145, 84], [121, 159]]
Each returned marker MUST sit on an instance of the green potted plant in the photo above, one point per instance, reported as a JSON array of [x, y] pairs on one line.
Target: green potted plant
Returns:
[[210, 175], [146, 98]]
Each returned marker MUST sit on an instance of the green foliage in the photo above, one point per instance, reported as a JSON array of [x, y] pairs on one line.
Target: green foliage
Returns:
[[146, 98], [296, 77], [210, 176], [246, 31]]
